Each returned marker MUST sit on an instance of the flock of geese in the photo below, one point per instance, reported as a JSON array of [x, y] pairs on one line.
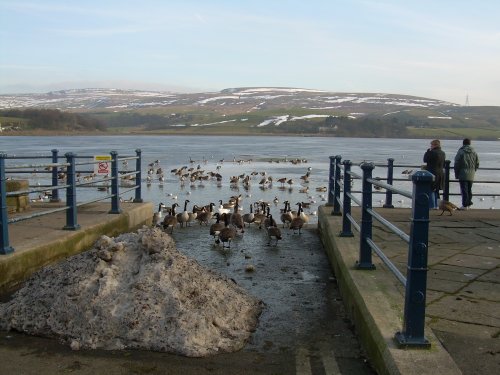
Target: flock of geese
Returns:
[[229, 219]]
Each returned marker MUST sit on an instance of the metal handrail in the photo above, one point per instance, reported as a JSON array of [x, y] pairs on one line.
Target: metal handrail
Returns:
[[69, 168], [412, 334]]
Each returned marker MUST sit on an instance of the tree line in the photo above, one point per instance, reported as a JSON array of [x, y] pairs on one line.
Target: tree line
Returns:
[[53, 119]]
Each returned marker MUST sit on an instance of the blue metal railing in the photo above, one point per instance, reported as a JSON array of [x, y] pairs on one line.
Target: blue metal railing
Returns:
[[412, 334], [68, 170], [415, 282]]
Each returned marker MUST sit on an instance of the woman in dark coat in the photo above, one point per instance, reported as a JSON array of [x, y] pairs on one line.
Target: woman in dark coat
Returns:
[[434, 158]]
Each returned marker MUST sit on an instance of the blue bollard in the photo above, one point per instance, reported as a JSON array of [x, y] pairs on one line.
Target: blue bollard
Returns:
[[331, 181], [446, 190], [115, 180]]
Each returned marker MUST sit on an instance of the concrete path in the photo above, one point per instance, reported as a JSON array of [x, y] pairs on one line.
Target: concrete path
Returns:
[[463, 296]]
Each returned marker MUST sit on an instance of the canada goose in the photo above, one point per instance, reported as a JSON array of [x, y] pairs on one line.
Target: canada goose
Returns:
[[223, 210], [321, 188], [282, 181], [183, 217], [446, 206], [286, 216], [193, 214], [260, 215], [205, 215], [297, 223], [273, 232], [157, 216], [276, 200], [269, 222], [171, 220], [227, 234], [302, 214], [216, 228], [249, 217], [237, 219]]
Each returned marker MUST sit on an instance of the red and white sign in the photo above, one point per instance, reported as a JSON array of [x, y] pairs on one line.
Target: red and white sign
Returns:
[[102, 165]]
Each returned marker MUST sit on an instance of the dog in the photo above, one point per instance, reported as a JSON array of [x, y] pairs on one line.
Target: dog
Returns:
[[446, 206]]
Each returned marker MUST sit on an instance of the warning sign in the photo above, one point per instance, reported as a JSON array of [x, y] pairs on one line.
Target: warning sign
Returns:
[[102, 165]]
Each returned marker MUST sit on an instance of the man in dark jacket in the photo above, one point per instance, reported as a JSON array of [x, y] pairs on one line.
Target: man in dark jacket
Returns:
[[466, 165], [435, 157]]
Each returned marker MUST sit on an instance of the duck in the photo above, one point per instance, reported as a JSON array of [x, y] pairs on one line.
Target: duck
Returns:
[[227, 234], [170, 221]]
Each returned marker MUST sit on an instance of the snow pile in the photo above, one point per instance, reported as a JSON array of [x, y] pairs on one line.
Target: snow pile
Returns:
[[134, 291]]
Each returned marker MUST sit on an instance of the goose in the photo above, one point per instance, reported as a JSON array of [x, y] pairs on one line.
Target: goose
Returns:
[[205, 215], [223, 210], [227, 234], [216, 228], [273, 232], [171, 220], [193, 214], [183, 217], [157, 216], [259, 216], [269, 222], [249, 217], [276, 200], [282, 181], [302, 214], [286, 216], [297, 222], [237, 219]]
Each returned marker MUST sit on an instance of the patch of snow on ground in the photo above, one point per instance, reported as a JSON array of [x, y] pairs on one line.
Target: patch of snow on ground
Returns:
[[208, 100], [390, 113], [214, 123], [306, 117], [264, 89], [135, 291], [441, 117]]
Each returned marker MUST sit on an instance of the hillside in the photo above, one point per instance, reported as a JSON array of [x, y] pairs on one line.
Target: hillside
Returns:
[[268, 111]]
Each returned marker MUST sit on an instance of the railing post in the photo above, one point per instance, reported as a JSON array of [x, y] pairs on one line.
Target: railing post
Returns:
[[346, 223], [71, 211], [4, 220], [138, 176], [390, 180], [55, 192], [365, 251], [331, 181], [446, 190], [416, 276], [115, 195], [336, 187]]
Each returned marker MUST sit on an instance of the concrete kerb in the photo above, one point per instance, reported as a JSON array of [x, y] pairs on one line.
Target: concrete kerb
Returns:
[[375, 303], [39, 245]]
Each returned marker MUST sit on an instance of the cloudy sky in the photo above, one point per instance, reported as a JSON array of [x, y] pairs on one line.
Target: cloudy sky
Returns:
[[441, 49]]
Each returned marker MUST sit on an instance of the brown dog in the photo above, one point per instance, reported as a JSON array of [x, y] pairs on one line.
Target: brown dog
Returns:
[[446, 206]]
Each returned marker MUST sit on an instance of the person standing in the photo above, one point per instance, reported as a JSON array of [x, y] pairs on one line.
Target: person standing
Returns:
[[465, 167], [434, 157]]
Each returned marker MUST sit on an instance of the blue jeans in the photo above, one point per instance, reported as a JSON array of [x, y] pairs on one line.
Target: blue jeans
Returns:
[[466, 191]]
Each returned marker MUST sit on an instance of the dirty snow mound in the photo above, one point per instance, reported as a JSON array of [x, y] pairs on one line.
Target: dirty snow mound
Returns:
[[134, 291]]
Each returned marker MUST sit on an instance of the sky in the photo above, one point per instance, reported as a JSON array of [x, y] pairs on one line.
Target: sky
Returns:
[[439, 49]]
